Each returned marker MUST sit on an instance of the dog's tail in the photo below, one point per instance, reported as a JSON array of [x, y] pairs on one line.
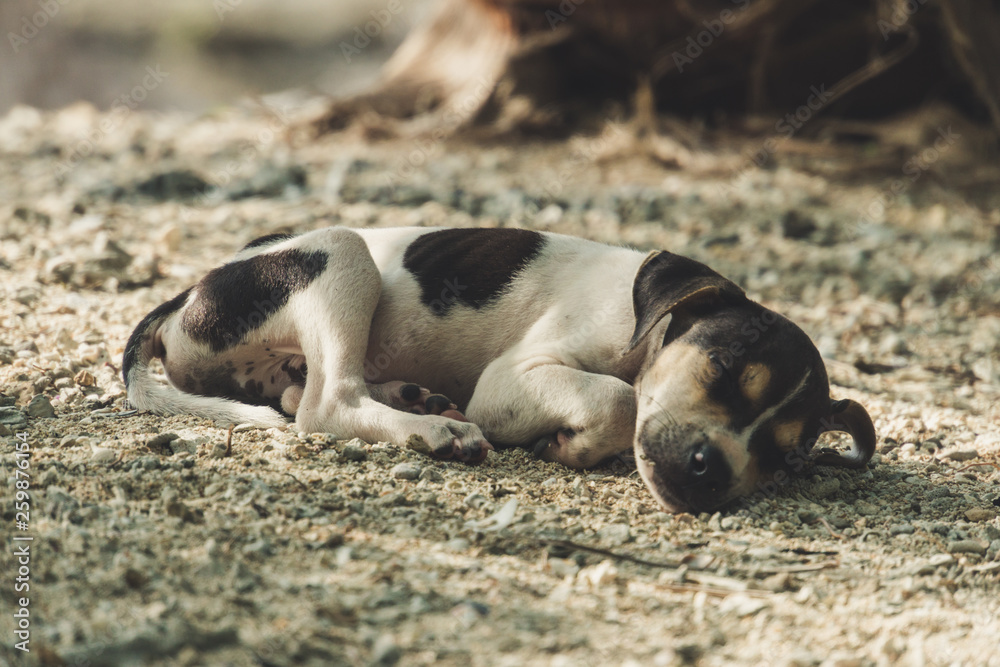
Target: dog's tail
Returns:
[[145, 392]]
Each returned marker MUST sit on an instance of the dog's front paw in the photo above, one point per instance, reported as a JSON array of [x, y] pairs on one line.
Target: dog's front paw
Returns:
[[451, 436]]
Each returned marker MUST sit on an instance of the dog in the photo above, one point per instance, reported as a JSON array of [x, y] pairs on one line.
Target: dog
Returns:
[[456, 340]]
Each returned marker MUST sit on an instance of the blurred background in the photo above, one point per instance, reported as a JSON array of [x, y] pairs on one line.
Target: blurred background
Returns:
[[215, 50]]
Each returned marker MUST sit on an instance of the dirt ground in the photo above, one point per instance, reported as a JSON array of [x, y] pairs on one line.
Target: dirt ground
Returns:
[[152, 546]]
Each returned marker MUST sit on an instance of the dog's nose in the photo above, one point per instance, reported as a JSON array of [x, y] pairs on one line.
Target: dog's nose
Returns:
[[707, 468]]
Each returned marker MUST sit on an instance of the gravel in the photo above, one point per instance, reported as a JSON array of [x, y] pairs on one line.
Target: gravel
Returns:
[[156, 544]]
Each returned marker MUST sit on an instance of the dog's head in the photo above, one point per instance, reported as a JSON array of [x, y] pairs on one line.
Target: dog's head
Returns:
[[735, 396]]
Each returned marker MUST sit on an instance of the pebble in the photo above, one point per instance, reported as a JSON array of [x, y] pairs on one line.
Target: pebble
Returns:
[[102, 455], [615, 533], [967, 547], [474, 500], [961, 454], [406, 470], [825, 488], [431, 475], [901, 529], [352, 451], [13, 418], [385, 651], [940, 560], [865, 508], [742, 605], [602, 574], [85, 379], [729, 523], [977, 514], [160, 443]]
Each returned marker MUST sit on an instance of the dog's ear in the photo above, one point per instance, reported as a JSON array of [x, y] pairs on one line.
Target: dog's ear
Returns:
[[666, 282], [851, 417]]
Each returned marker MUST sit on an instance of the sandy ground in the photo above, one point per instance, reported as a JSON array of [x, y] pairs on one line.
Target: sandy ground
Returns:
[[152, 546]]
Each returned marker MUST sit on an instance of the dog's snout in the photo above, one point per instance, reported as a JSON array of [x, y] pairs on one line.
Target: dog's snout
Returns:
[[707, 468]]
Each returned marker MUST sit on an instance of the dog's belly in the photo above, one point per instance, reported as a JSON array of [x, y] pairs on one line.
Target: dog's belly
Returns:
[[444, 353], [445, 360]]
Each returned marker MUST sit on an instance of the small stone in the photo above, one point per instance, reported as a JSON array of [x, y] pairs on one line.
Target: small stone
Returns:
[[908, 449], [961, 454], [354, 451], [40, 407], [901, 529], [160, 444], [474, 500], [169, 237], [865, 509], [967, 547], [729, 523], [385, 651], [806, 516], [102, 455], [715, 522], [599, 575], [12, 417], [940, 560], [418, 444], [431, 475], [84, 379], [782, 581], [742, 605], [406, 470], [825, 488], [615, 533], [217, 450], [457, 544], [977, 514]]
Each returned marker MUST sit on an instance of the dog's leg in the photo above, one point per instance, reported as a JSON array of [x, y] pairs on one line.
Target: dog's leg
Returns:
[[332, 320], [575, 417]]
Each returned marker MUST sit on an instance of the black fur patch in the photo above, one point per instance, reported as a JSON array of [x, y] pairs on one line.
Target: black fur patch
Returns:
[[469, 266], [269, 239], [237, 298], [135, 341]]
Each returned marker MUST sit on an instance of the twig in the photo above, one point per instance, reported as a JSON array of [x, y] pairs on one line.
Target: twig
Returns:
[[714, 592], [974, 465], [568, 544], [826, 523], [301, 483], [795, 569], [229, 440]]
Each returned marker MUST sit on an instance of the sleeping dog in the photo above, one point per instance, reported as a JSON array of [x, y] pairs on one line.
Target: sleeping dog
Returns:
[[455, 340]]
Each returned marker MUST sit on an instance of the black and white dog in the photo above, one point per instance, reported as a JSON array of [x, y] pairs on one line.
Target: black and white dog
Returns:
[[579, 349]]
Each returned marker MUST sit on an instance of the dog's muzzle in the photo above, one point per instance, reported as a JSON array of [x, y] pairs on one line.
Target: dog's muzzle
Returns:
[[683, 467]]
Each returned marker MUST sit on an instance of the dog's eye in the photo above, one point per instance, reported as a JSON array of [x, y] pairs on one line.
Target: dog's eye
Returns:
[[721, 371]]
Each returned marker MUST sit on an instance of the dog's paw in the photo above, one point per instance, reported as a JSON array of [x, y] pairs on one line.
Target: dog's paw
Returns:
[[410, 397], [451, 436]]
